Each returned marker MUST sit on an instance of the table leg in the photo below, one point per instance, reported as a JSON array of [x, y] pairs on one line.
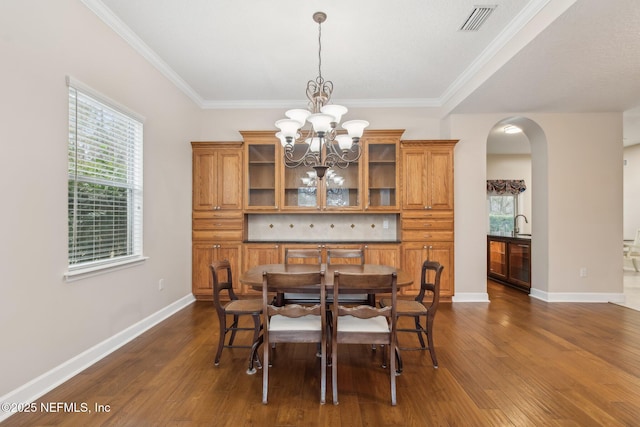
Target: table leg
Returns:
[[253, 357]]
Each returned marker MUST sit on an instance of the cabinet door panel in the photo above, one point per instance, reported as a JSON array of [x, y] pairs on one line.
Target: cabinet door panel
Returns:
[[442, 252], [204, 182], [203, 254], [413, 180], [230, 180], [382, 254], [413, 255], [441, 180]]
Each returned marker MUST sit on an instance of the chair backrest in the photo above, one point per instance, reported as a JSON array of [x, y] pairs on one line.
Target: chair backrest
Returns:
[[345, 256], [432, 284], [222, 280], [308, 282], [306, 256], [371, 283]]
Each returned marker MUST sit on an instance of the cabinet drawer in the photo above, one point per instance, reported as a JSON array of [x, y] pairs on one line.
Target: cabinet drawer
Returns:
[[427, 224], [217, 214], [426, 235], [218, 234], [428, 214], [217, 224]]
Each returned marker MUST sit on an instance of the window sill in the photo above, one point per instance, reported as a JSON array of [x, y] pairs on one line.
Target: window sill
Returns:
[[85, 272]]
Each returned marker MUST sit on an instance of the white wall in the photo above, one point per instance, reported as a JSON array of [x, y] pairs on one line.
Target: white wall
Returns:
[[631, 191], [46, 321], [514, 166]]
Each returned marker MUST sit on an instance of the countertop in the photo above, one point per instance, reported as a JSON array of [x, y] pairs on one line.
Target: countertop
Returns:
[[508, 235]]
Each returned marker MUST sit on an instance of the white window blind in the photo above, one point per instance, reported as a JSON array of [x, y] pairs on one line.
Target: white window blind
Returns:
[[105, 181]]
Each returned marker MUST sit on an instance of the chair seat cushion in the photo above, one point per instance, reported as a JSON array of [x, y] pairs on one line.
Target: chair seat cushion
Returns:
[[354, 324], [304, 323], [405, 307], [244, 305]]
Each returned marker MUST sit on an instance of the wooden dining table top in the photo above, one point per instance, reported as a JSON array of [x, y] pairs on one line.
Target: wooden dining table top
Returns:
[[253, 276]]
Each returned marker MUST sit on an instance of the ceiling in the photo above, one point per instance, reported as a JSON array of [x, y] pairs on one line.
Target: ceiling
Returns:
[[529, 55]]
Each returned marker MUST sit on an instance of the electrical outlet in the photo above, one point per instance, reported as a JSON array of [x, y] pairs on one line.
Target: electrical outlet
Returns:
[[160, 284], [583, 272]]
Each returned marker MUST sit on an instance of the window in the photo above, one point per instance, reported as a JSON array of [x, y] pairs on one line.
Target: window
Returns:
[[105, 181], [502, 210]]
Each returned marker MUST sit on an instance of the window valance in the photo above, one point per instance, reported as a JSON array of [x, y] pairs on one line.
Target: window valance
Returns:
[[506, 186]]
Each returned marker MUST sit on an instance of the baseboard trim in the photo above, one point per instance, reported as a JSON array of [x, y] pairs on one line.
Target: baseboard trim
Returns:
[[596, 297], [46, 382], [470, 297]]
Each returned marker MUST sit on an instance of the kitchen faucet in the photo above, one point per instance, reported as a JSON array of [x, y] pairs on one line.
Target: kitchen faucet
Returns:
[[516, 230]]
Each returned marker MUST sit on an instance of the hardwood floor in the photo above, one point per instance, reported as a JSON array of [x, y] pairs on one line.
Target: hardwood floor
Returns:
[[513, 362]]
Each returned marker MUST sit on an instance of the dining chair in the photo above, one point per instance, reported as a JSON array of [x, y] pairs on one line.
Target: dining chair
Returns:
[[351, 256], [294, 323], [345, 256], [364, 324], [301, 256], [418, 308], [223, 281]]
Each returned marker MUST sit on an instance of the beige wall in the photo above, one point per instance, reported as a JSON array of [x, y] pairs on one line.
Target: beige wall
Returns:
[[45, 320], [224, 125], [583, 203]]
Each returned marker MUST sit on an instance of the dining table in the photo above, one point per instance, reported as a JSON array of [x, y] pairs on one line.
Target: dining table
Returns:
[[253, 278]]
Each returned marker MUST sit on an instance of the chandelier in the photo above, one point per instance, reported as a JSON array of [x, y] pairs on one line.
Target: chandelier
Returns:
[[321, 145]]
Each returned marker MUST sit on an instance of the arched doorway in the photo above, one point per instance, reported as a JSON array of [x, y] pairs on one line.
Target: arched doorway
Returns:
[[528, 146]]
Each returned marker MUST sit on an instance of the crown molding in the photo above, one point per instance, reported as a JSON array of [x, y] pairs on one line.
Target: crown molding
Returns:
[[116, 24], [504, 47]]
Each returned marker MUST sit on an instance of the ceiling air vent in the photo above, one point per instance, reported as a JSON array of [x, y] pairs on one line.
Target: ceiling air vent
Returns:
[[477, 17]]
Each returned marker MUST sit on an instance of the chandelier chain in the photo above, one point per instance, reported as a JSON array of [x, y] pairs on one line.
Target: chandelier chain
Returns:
[[320, 52]]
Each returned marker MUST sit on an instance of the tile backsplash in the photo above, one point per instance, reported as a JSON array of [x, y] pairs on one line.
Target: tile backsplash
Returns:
[[323, 227]]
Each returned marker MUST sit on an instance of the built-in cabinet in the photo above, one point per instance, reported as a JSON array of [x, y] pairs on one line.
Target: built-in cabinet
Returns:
[[217, 217], [509, 261], [427, 209], [412, 179]]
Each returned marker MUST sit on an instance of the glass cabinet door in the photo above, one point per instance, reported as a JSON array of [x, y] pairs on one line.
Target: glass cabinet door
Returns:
[[262, 176], [341, 188], [382, 176], [337, 190], [520, 263], [300, 188], [498, 258]]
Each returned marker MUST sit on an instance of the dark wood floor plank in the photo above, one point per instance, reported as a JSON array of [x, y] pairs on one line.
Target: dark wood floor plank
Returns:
[[514, 361]]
